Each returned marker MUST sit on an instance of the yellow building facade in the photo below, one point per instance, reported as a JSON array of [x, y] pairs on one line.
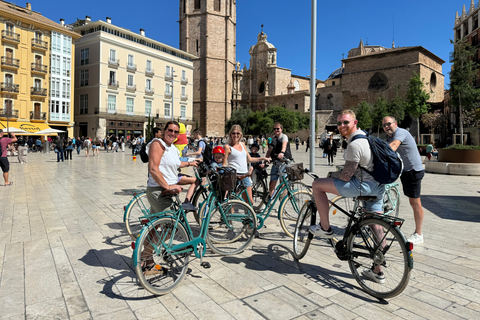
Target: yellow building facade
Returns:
[[37, 71]]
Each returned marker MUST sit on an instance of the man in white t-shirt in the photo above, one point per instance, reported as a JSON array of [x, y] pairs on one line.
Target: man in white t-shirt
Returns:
[[350, 182]]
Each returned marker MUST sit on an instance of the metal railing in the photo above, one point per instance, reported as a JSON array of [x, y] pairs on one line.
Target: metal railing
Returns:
[[7, 61], [39, 67], [36, 115], [149, 91], [9, 113], [131, 67], [113, 62], [113, 84], [168, 77], [149, 72], [9, 35], [40, 44], [184, 81], [9, 87], [184, 97], [36, 91], [133, 87]]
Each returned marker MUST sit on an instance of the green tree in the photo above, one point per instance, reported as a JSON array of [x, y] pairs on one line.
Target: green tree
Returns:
[[380, 110], [363, 114], [150, 126], [239, 117], [433, 120], [396, 107], [463, 93], [417, 99]]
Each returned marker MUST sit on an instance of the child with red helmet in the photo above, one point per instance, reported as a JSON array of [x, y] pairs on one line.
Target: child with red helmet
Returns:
[[218, 155]]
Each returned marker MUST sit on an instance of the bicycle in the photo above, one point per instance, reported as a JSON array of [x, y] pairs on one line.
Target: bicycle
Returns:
[[290, 203], [136, 213], [370, 241], [163, 249]]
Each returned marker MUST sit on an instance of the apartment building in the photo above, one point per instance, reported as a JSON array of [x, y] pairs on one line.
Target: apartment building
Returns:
[[123, 77], [34, 54]]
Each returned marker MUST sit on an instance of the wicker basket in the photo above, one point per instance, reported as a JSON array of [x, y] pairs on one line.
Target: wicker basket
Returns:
[[295, 171]]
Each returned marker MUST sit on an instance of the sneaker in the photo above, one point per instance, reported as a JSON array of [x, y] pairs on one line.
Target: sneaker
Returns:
[[188, 206], [319, 232], [416, 238], [376, 277]]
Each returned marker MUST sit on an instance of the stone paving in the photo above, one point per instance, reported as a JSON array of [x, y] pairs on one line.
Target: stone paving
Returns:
[[65, 254]]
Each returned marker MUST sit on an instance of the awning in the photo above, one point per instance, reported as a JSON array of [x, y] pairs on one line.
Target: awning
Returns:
[[30, 127]]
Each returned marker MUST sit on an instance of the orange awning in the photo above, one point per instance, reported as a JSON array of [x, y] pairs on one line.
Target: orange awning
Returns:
[[30, 127]]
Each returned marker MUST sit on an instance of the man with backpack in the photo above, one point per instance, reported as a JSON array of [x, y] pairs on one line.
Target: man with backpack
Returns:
[[201, 146], [352, 181], [402, 141]]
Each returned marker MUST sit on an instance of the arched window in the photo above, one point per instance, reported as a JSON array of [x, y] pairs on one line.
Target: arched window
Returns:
[[433, 81], [378, 82]]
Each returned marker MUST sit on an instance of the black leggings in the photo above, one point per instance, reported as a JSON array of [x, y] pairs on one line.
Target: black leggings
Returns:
[[330, 158]]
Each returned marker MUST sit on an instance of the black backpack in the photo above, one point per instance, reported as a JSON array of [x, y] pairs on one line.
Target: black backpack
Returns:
[[207, 154], [143, 153], [387, 164]]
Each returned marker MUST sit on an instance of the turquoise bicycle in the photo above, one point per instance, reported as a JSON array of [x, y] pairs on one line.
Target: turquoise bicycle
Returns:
[[163, 249]]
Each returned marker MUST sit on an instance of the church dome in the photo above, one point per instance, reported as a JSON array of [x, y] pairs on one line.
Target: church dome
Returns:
[[336, 74]]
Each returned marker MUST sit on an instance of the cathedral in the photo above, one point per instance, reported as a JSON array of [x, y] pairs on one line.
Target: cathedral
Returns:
[[208, 31]]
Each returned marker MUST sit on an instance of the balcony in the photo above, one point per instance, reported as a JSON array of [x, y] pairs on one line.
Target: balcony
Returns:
[[38, 92], [7, 87], [114, 63], [113, 84], [10, 37], [132, 88], [149, 72], [39, 44], [168, 77], [37, 115], [168, 95], [10, 63], [39, 68], [149, 91], [184, 80], [9, 114], [131, 67], [184, 97]]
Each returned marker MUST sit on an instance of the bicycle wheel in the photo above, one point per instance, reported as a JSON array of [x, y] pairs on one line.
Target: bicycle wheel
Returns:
[[259, 194], [231, 227], [338, 220], [299, 185], [391, 257], [198, 197], [136, 215], [302, 237], [289, 210], [158, 271], [391, 202]]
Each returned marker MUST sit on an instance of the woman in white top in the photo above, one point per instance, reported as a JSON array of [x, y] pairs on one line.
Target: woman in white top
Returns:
[[163, 164], [237, 157]]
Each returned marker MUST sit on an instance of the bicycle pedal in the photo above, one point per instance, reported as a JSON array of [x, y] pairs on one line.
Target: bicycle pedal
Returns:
[[206, 265]]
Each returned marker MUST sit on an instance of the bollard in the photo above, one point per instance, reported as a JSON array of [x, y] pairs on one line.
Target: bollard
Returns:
[[134, 158]]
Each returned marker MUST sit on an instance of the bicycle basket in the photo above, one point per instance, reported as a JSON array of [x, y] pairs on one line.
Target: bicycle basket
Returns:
[[227, 179], [295, 171]]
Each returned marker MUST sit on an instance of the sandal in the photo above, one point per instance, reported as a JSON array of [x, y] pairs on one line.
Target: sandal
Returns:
[[9, 184]]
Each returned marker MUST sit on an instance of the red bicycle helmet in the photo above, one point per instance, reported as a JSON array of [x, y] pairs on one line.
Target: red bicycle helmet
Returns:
[[218, 149]]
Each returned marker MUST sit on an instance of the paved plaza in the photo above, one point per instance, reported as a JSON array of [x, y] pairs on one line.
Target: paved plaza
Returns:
[[65, 254]]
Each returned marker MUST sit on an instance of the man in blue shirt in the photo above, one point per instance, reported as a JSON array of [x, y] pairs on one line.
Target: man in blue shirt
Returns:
[[402, 141]]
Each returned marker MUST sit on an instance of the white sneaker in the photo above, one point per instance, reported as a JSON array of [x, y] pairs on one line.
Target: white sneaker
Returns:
[[376, 277], [319, 232], [416, 238]]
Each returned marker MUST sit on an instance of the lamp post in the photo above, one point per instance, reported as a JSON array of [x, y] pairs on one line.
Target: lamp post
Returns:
[[312, 84]]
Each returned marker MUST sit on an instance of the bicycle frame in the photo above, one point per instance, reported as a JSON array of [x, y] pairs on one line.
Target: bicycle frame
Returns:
[[393, 222]]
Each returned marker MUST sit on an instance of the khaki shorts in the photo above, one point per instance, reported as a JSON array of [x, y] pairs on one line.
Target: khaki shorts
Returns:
[[158, 203]]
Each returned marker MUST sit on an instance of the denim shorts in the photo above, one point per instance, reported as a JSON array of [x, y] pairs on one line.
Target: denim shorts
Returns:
[[274, 173], [355, 188], [247, 182]]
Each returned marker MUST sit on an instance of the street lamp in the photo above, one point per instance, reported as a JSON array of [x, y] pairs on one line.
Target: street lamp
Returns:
[[173, 98]]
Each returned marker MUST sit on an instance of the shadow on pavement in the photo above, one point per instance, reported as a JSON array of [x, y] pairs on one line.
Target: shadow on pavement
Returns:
[[453, 207], [278, 258], [129, 192]]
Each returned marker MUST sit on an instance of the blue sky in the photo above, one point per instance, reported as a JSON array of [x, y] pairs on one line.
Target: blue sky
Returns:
[[340, 25]]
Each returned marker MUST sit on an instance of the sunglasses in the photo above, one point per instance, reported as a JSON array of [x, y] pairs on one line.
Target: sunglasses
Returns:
[[236, 133], [277, 129], [388, 124], [173, 131], [345, 123]]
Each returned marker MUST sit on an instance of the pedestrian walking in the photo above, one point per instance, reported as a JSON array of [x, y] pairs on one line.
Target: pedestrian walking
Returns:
[[308, 144], [21, 150], [297, 141], [330, 148], [4, 164], [59, 146]]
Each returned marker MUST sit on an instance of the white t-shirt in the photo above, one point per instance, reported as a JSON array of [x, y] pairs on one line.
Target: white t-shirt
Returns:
[[359, 151], [169, 164]]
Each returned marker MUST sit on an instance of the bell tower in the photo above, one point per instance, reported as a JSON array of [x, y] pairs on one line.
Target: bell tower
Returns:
[[207, 30]]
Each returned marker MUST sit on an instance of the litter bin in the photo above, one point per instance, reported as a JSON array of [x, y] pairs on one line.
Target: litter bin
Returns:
[[46, 146]]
